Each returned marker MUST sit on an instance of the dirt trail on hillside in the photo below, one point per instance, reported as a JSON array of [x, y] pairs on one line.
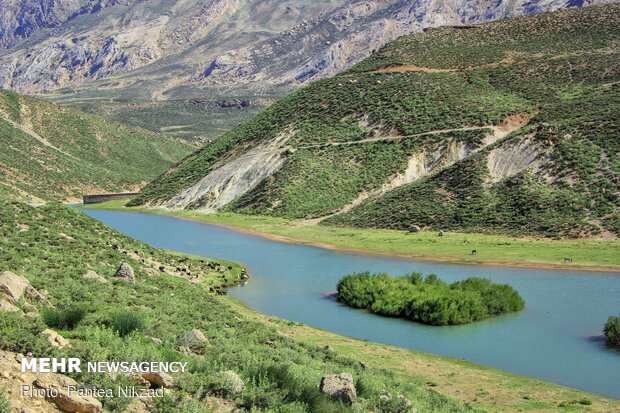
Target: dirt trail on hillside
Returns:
[[426, 162], [31, 133]]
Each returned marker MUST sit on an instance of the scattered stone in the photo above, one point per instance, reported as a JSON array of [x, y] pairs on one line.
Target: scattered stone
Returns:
[[329, 348], [150, 272], [69, 402], [193, 336], [55, 339], [91, 275], [125, 272], [156, 340], [415, 228], [160, 379], [5, 306], [232, 381], [339, 386]]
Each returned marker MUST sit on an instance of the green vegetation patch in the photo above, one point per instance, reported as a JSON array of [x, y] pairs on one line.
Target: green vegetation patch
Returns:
[[428, 299], [612, 330], [56, 153]]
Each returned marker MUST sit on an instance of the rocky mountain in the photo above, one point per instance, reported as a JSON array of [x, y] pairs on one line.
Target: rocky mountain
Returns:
[[505, 127], [55, 153], [160, 49]]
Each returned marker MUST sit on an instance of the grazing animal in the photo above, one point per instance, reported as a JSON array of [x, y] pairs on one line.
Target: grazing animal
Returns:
[[566, 259], [441, 233], [474, 252]]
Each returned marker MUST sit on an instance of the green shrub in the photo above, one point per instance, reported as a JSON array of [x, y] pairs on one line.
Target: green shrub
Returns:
[[612, 330], [63, 319], [125, 321], [428, 300]]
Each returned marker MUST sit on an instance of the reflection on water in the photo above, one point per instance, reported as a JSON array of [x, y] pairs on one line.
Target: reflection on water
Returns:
[[550, 339]]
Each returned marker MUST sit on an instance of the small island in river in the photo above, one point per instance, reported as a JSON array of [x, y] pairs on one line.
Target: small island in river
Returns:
[[428, 299]]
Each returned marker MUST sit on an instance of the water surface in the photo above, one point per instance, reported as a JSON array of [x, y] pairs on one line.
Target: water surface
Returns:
[[557, 338]]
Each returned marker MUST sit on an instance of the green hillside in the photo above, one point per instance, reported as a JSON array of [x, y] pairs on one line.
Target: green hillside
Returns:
[[507, 127], [52, 152]]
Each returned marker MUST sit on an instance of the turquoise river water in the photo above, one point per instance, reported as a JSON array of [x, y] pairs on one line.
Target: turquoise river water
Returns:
[[557, 338]]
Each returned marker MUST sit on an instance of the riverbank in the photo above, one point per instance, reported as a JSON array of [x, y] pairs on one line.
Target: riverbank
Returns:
[[455, 248], [478, 386]]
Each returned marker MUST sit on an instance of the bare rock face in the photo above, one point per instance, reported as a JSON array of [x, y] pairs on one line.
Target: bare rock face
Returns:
[[192, 337], [125, 272], [339, 386], [160, 379], [307, 43], [91, 275], [5, 306]]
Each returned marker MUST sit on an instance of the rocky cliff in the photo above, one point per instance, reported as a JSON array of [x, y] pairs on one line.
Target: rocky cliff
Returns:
[[159, 49]]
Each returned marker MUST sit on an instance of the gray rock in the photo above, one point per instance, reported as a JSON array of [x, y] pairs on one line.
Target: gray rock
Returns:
[[232, 382], [193, 336], [160, 379], [12, 286], [339, 386], [5, 306], [91, 275], [125, 272], [415, 228]]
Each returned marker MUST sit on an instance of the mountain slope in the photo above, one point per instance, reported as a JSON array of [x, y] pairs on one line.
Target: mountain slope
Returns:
[[191, 48], [56, 153], [504, 127]]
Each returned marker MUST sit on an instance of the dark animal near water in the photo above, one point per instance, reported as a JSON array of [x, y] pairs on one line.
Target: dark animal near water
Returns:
[[474, 252], [566, 259]]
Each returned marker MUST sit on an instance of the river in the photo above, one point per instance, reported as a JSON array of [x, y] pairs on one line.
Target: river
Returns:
[[557, 338]]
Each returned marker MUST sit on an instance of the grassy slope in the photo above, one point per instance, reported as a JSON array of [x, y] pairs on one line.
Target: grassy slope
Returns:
[[54, 245], [79, 153], [559, 64], [184, 119], [454, 247]]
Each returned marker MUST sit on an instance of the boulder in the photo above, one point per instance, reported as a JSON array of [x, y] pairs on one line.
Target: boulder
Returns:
[[232, 382], [68, 402], [339, 386], [91, 275], [55, 339], [415, 228], [5, 306], [12, 286], [193, 336], [125, 272], [160, 379]]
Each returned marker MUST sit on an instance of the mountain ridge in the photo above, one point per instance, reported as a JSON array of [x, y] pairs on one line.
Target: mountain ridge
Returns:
[[154, 50], [546, 81]]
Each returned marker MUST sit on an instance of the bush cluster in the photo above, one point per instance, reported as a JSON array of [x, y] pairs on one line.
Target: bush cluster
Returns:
[[612, 330], [428, 299]]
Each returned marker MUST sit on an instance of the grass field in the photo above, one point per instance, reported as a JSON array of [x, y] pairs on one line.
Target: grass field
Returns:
[[478, 386], [426, 245]]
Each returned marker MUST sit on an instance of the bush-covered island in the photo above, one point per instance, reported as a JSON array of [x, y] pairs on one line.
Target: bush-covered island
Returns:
[[612, 330], [428, 299]]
